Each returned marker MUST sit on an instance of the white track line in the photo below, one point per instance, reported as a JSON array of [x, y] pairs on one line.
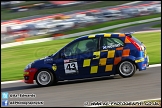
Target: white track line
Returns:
[[147, 31], [9, 82], [17, 81], [150, 99], [129, 3], [155, 65]]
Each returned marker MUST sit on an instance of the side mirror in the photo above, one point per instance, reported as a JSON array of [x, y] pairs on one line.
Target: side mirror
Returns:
[[62, 55]]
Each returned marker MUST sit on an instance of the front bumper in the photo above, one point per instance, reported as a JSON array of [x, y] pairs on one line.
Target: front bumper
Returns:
[[29, 75], [147, 61]]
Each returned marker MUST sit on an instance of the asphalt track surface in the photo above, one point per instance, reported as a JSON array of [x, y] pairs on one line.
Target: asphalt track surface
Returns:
[[141, 27], [143, 85]]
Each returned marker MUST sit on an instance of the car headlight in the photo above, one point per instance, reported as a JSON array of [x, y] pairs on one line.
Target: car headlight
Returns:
[[28, 66]]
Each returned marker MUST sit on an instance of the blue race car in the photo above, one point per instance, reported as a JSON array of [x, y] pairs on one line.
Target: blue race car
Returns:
[[90, 56]]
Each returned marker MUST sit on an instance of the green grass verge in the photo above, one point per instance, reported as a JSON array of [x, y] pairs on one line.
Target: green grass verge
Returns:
[[157, 26], [39, 37], [7, 15], [16, 58], [117, 29], [111, 23]]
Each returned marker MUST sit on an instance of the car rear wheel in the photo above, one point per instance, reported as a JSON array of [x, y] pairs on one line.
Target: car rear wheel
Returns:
[[126, 69], [44, 78]]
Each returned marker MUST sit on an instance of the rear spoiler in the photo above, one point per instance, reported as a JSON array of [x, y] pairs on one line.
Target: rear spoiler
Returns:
[[129, 34]]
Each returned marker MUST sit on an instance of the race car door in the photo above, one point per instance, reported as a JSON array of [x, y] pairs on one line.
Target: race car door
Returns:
[[77, 58], [110, 54]]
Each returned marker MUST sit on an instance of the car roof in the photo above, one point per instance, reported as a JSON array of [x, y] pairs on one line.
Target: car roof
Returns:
[[115, 35]]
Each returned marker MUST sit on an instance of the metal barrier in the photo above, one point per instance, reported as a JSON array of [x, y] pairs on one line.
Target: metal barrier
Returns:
[[76, 34]]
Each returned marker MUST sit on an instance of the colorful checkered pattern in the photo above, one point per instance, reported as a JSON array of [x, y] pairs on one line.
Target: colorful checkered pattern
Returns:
[[115, 55], [104, 61], [108, 35]]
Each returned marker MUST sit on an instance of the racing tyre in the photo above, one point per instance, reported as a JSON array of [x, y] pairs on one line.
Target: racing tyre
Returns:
[[45, 78], [126, 69]]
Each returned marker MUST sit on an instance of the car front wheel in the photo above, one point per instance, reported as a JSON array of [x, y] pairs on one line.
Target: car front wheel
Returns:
[[44, 78], [126, 69]]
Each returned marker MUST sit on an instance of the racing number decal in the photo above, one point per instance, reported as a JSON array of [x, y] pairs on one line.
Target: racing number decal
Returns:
[[71, 67]]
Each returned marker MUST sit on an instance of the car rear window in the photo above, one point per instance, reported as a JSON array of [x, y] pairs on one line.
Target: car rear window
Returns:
[[136, 40]]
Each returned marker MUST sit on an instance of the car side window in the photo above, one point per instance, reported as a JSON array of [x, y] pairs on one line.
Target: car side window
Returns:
[[70, 50], [82, 46], [112, 43]]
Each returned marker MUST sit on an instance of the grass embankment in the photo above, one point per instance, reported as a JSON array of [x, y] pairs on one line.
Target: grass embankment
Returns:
[[7, 15], [15, 59], [157, 26]]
